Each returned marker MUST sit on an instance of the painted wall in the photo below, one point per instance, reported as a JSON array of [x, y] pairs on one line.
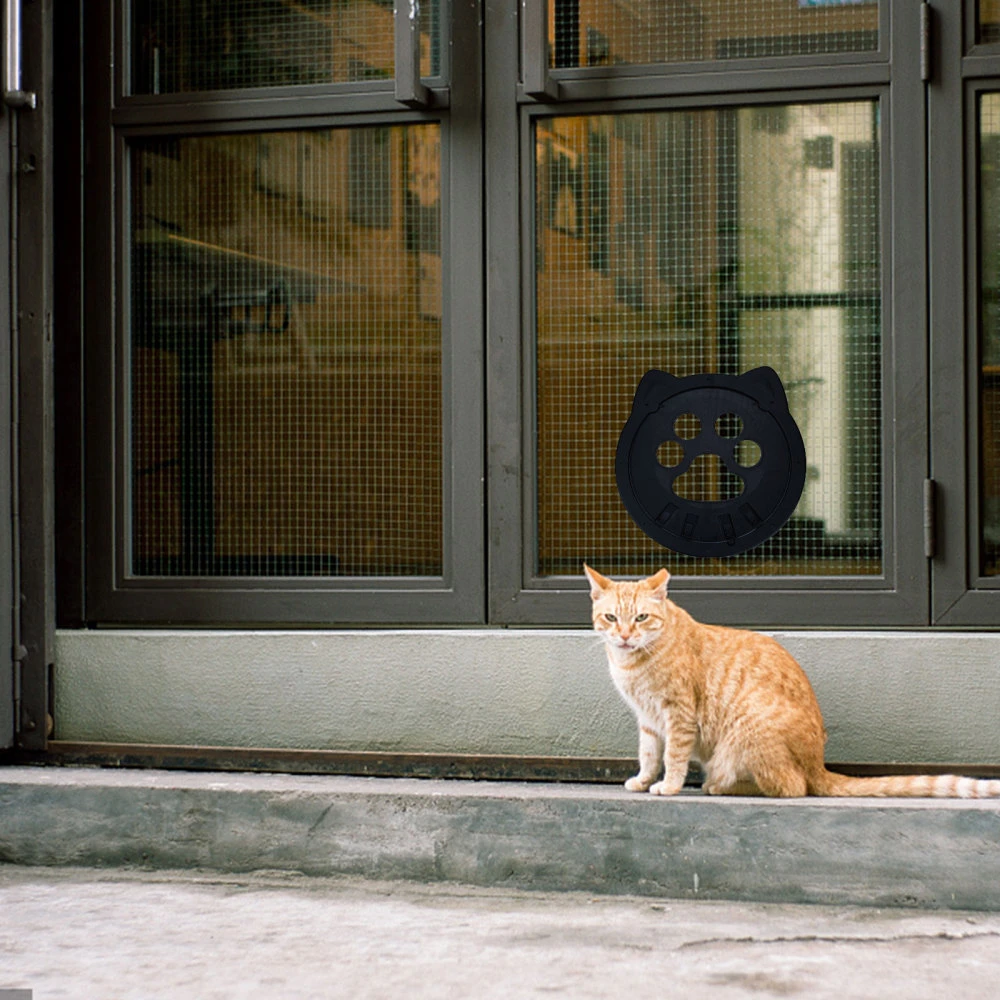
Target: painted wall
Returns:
[[886, 696]]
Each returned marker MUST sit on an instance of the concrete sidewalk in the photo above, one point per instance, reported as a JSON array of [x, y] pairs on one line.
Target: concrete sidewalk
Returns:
[[75, 934]]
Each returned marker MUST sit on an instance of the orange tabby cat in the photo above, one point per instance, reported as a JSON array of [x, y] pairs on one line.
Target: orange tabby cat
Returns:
[[733, 700]]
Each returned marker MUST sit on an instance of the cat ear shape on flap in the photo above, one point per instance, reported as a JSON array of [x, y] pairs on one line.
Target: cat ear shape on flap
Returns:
[[658, 584], [598, 583], [654, 387], [765, 386]]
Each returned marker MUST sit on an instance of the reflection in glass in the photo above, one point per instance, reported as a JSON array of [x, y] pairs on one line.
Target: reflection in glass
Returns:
[[989, 313], [285, 354], [607, 32], [715, 240], [228, 44], [989, 21]]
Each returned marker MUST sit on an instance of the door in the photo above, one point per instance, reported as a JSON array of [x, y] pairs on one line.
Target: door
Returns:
[[288, 418], [708, 186], [333, 304], [964, 100], [283, 313]]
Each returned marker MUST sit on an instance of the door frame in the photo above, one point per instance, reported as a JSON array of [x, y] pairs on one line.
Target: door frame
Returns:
[[30, 543], [8, 495], [900, 595], [961, 71], [112, 595]]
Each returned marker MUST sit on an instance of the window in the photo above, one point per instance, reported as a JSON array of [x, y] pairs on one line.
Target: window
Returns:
[[989, 333], [965, 157], [360, 340], [709, 240], [274, 315], [712, 187], [290, 429]]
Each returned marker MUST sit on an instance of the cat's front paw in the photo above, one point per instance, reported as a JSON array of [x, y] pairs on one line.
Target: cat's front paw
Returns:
[[665, 788], [638, 783]]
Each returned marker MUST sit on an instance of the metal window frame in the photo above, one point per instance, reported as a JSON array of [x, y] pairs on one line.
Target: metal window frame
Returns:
[[350, 95], [900, 595], [112, 118], [964, 70], [720, 75], [8, 729], [32, 293]]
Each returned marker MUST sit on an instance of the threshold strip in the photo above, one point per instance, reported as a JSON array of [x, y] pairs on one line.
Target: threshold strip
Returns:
[[375, 763]]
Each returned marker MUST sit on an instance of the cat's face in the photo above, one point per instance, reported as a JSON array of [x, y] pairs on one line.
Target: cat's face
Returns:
[[628, 615]]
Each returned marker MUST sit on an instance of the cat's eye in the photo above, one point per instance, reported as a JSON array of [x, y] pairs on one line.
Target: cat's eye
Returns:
[[641, 618], [610, 617]]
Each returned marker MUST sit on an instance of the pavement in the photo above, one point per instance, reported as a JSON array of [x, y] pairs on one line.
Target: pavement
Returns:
[[118, 934], [120, 884]]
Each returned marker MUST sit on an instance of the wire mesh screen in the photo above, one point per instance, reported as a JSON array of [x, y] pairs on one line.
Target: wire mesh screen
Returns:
[[989, 21], [285, 354], [989, 311], [709, 241], [202, 45], [609, 32]]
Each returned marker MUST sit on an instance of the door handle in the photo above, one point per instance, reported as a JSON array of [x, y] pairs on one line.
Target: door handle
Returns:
[[926, 40], [535, 78], [406, 22], [13, 95]]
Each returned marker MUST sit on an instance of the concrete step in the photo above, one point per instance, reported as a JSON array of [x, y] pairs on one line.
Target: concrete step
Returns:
[[592, 838]]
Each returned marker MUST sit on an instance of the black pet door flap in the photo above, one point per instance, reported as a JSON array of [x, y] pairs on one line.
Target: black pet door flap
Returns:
[[741, 419]]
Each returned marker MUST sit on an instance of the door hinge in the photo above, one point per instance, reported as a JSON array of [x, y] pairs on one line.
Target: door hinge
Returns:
[[926, 28], [930, 518]]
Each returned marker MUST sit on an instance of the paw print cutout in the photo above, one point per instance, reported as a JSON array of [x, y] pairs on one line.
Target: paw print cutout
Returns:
[[675, 423]]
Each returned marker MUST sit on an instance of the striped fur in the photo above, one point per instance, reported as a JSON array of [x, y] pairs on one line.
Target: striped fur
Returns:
[[733, 700], [931, 786]]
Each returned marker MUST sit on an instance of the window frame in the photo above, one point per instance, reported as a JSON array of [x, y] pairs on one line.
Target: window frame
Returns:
[[892, 76], [963, 71], [112, 118]]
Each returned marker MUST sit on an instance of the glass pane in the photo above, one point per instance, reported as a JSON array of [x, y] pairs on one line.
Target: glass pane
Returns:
[[179, 47], [285, 345], [989, 311], [700, 241], [989, 21], [609, 32]]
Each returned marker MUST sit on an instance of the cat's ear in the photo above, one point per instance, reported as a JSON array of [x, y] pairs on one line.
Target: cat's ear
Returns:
[[764, 384], [653, 388], [598, 583], [658, 584]]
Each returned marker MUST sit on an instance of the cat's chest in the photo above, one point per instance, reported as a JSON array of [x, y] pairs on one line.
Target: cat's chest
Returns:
[[643, 692]]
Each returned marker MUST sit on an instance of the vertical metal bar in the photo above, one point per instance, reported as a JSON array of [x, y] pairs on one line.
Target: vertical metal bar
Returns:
[[13, 95], [926, 20], [535, 77], [8, 504], [31, 260], [409, 90], [930, 518]]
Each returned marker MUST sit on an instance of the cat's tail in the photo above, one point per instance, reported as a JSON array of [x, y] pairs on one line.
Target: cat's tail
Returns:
[[910, 786]]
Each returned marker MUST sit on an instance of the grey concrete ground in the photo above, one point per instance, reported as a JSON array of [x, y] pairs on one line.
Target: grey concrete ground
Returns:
[[86, 934]]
